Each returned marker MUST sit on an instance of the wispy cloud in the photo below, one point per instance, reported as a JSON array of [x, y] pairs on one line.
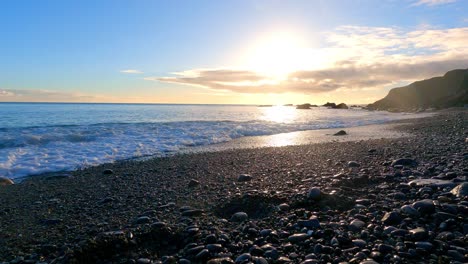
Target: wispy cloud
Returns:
[[131, 71], [364, 58], [432, 2], [31, 95]]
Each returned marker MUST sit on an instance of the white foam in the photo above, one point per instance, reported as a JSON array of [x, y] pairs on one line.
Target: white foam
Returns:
[[33, 150]]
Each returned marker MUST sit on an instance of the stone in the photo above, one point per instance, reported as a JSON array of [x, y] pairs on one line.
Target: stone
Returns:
[[353, 164], [193, 183], [296, 238], [244, 258], [142, 220], [418, 233], [461, 190], [409, 210], [404, 162], [283, 207], [244, 178], [310, 223], [391, 218], [239, 217], [359, 243], [314, 194], [356, 225], [436, 183], [425, 206], [192, 212], [107, 172], [340, 133], [455, 255], [341, 106], [5, 181], [424, 245], [221, 261]]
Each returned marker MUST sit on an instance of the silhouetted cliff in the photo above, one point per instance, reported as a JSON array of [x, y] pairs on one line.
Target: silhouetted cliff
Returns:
[[438, 92]]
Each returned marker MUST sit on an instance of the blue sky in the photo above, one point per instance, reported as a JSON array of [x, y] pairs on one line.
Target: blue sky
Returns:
[[225, 51]]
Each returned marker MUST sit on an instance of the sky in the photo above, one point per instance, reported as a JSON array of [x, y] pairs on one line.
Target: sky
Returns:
[[225, 52]]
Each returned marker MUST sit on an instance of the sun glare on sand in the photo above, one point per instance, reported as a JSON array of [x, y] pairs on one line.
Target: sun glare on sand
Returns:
[[277, 54]]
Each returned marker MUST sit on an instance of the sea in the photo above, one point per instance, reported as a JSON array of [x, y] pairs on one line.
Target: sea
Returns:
[[38, 138]]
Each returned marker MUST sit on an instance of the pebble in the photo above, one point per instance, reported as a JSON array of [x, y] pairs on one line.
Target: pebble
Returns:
[[391, 218], [243, 258], [239, 217], [244, 178], [418, 233], [423, 245], [356, 225], [340, 133], [409, 210], [425, 206], [314, 194], [461, 190], [5, 181], [296, 238], [193, 183], [436, 183], [311, 223], [107, 172], [353, 164], [221, 261], [404, 162]]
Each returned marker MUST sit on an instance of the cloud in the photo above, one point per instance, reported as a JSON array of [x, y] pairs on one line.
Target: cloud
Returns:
[[131, 71], [363, 58], [31, 95], [433, 2]]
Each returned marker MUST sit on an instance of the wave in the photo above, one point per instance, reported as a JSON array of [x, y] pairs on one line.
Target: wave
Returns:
[[33, 150]]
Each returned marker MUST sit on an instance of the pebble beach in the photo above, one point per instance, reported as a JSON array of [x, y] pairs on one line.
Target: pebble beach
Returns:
[[368, 200]]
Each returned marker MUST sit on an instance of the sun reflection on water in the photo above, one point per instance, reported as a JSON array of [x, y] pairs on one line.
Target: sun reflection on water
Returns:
[[279, 114]]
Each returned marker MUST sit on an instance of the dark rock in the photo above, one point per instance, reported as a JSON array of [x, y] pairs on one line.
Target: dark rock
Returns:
[[353, 164], [404, 162], [409, 210], [244, 258], [340, 133], [424, 206], [392, 218], [142, 220], [107, 172], [424, 245], [193, 183], [244, 178], [303, 106], [436, 183], [446, 91], [455, 255], [296, 238], [340, 106], [314, 194], [330, 105], [5, 181], [221, 261], [239, 217], [356, 225], [192, 212], [311, 223], [418, 234]]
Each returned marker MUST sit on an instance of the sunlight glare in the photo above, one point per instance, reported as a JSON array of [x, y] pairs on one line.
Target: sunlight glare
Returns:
[[279, 114]]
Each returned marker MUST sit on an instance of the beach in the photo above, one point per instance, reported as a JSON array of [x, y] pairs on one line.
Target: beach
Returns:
[[301, 197]]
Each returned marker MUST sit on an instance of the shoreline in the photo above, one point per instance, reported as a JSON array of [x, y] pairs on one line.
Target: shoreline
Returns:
[[178, 208], [356, 133]]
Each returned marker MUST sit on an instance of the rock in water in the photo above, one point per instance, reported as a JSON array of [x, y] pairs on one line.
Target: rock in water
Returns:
[[461, 190], [340, 133], [244, 178], [5, 181], [239, 217]]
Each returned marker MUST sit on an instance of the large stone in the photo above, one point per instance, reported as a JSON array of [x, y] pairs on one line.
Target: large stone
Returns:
[[391, 218], [296, 238], [239, 217], [244, 178], [314, 194], [461, 190], [425, 206], [436, 183], [404, 162], [5, 181], [356, 225], [340, 133]]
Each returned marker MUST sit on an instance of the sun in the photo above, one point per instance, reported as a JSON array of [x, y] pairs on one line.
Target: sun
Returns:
[[278, 54]]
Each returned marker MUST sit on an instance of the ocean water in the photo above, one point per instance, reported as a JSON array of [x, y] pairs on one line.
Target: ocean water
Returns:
[[37, 138]]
